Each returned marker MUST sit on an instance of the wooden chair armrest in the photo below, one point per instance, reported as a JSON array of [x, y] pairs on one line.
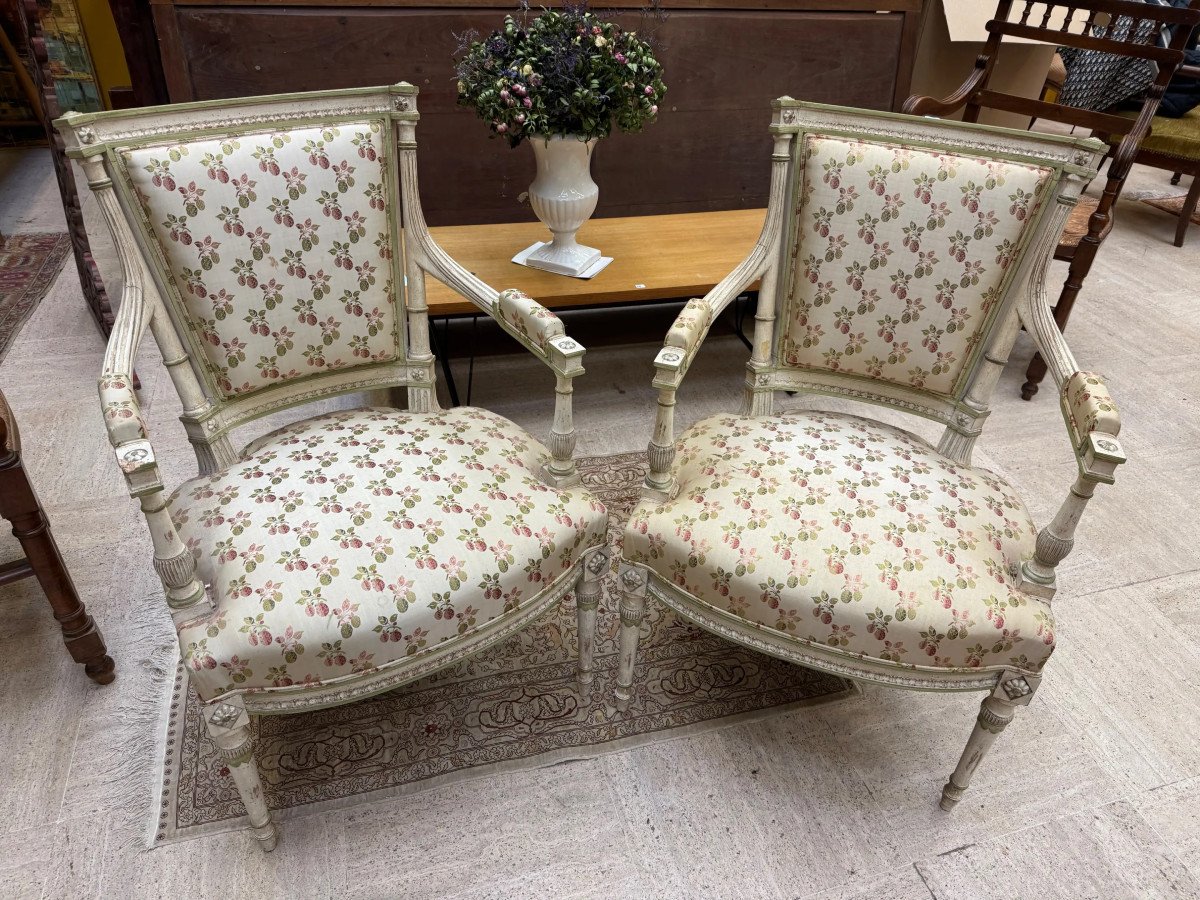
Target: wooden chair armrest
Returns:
[[918, 105]]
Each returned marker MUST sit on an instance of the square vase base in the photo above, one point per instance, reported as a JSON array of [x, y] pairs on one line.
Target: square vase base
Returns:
[[592, 261]]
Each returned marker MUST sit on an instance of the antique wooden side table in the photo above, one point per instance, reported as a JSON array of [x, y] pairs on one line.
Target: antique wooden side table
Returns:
[[655, 258]]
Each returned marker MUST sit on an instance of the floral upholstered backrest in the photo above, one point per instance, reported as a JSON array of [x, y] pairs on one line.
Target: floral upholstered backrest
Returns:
[[276, 249], [901, 257]]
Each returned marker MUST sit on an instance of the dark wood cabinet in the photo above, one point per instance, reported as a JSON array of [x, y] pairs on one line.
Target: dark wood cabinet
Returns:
[[724, 62]]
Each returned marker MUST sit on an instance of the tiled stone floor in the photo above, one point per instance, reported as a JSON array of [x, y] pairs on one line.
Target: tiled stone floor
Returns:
[[1092, 792]]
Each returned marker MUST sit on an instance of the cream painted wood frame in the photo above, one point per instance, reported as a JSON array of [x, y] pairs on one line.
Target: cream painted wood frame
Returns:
[[150, 300], [1072, 162]]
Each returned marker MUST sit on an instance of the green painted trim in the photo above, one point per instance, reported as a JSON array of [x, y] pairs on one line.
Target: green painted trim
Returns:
[[1091, 144], [390, 164], [72, 119], [266, 106]]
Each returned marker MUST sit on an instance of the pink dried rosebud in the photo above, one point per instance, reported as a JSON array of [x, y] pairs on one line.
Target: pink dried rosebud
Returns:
[[654, 109], [595, 29], [519, 90], [504, 95], [502, 128], [648, 91], [528, 103], [520, 117], [619, 57]]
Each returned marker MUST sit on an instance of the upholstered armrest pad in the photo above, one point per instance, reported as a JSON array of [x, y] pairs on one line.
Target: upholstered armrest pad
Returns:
[[528, 317], [690, 326], [122, 414], [1088, 407]]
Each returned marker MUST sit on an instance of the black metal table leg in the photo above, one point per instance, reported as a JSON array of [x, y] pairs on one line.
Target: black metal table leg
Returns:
[[441, 351]]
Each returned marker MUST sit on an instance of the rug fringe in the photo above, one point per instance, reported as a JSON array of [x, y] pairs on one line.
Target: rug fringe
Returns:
[[133, 766]]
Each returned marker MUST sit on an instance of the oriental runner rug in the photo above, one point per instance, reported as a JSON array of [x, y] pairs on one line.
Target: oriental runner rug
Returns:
[[29, 263], [516, 706]]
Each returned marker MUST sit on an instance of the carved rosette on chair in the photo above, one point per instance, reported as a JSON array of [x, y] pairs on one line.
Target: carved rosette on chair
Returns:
[[564, 197], [899, 259], [351, 552]]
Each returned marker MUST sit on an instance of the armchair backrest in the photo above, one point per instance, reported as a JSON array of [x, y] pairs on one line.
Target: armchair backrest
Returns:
[[901, 256], [251, 232], [271, 229], [902, 248]]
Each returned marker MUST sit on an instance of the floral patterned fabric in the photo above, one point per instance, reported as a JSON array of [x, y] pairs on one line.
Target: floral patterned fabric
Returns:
[[901, 254], [690, 326], [1089, 407], [851, 535], [352, 540], [279, 246], [122, 414], [528, 317]]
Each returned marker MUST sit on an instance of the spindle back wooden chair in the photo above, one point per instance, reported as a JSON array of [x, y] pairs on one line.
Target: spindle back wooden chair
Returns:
[[1122, 27]]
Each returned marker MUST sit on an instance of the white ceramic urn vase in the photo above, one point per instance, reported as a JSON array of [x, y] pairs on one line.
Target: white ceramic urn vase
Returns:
[[563, 196]]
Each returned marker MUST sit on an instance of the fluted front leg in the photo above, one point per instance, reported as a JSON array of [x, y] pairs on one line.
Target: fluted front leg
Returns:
[[633, 582], [995, 712], [229, 725], [587, 601]]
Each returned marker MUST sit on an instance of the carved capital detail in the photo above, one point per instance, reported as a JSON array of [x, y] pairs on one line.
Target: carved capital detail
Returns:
[[631, 615], [660, 457], [176, 571], [993, 716]]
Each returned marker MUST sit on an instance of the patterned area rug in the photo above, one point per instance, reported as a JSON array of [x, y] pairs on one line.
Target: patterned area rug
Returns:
[[515, 706], [29, 263], [1173, 205]]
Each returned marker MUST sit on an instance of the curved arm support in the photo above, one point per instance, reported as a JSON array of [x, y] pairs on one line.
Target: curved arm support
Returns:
[[917, 105], [122, 414], [531, 324], [691, 326], [1092, 423]]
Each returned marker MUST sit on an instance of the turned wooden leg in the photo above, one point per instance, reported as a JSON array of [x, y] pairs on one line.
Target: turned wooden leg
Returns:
[[587, 601], [1185, 214], [229, 725], [995, 712], [19, 504], [633, 605]]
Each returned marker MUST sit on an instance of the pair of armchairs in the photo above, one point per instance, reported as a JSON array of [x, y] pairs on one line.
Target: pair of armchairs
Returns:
[[275, 248]]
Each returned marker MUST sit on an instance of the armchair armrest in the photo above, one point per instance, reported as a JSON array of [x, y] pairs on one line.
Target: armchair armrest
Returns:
[[918, 105], [1092, 423], [1091, 415], [123, 418], [527, 317], [538, 329]]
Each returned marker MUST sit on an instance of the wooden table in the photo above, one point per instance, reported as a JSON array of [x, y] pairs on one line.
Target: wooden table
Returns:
[[654, 258]]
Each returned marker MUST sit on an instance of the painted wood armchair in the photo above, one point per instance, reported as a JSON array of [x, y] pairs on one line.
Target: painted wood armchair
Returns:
[[898, 260], [276, 249]]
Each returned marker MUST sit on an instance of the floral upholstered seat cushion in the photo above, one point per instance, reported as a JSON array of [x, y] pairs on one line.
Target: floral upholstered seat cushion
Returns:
[[851, 535], [352, 540]]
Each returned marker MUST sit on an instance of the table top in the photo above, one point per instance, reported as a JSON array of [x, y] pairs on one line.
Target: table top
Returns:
[[654, 258]]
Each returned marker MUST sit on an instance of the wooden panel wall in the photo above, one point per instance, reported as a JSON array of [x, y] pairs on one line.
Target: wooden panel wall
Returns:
[[709, 149]]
